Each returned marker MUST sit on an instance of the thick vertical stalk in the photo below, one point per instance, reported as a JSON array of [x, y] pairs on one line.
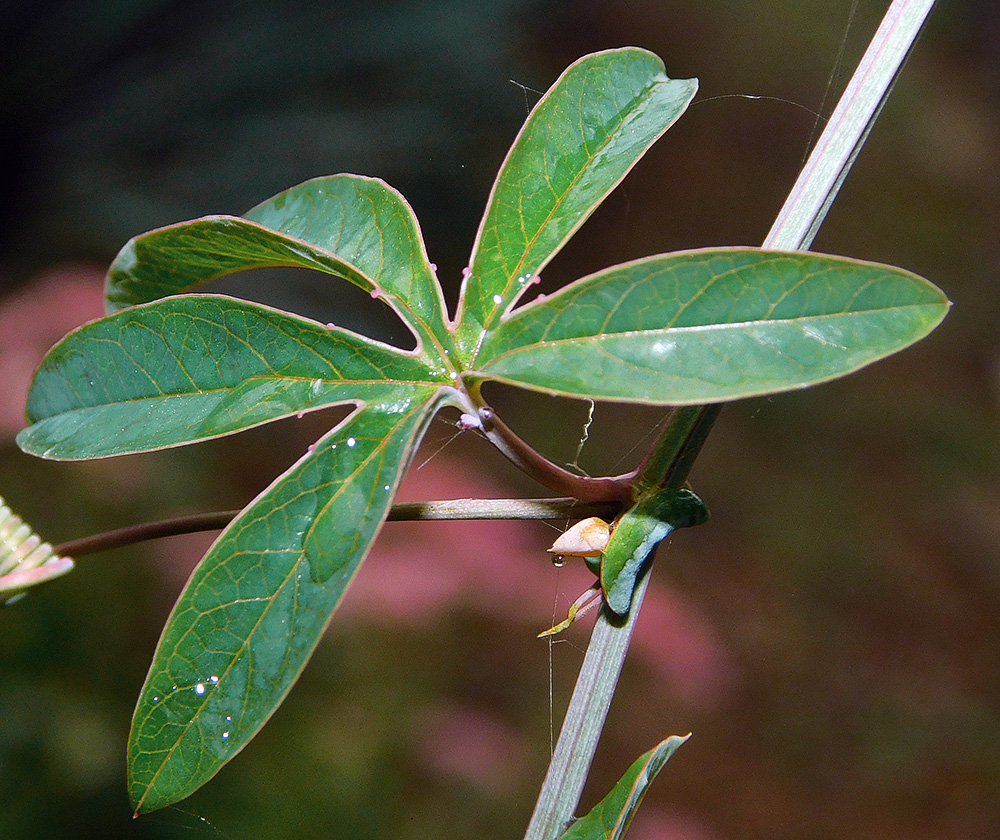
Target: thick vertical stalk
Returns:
[[672, 457]]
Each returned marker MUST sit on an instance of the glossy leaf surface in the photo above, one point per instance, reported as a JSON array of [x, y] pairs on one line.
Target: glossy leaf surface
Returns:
[[707, 326], [256, 606], [196, 367], [357, 228], [580, 140], [610, 818]]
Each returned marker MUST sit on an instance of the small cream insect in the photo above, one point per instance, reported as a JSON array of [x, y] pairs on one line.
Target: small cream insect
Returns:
[[588, 539]]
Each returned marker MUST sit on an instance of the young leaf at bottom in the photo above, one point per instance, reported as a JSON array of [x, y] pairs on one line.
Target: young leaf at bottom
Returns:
[[610, 818], [257, 604]]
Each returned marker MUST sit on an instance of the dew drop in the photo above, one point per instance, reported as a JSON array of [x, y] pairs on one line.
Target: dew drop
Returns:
[[497, 299], [156, 699], [351, 442], [376, 292], [199, 689], [559, 561], [386, 487], [228, 718], [300, 414], [433, 266], [225, 735], [213, 679], [453, 375], [331, 326]]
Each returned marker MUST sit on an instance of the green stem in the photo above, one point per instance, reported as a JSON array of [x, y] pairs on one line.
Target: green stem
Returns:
[[581, 729], [668, 463], [671, 458]]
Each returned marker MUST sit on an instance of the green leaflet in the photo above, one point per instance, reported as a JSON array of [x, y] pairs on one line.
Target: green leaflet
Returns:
[[706, 326], [252, 612], [192, 368], [610, 818], [580, 140], [356, 228]]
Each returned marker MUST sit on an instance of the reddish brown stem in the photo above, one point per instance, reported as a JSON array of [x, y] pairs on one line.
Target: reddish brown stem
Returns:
[[617, 488], [563, 508]]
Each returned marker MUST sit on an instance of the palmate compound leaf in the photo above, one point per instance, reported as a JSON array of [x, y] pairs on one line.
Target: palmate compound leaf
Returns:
[[610, 818], [580, 140], [707, 326], [168, 373]]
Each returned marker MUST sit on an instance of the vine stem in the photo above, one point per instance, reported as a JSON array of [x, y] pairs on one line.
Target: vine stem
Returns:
[[671, 458], [468, 509]]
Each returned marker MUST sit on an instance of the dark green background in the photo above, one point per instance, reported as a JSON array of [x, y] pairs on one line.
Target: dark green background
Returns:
[[831, 637]]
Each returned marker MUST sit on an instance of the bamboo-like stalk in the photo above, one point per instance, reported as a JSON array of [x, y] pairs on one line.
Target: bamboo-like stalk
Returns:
[[795, 227]]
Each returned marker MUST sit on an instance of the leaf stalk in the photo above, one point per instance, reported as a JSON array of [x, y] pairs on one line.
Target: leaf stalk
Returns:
[[603, 489]]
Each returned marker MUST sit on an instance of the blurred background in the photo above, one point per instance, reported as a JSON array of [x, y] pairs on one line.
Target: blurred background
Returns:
[[831, 636]]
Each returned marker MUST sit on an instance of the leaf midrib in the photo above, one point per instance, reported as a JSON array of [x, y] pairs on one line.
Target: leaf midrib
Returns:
[[731, 325]]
